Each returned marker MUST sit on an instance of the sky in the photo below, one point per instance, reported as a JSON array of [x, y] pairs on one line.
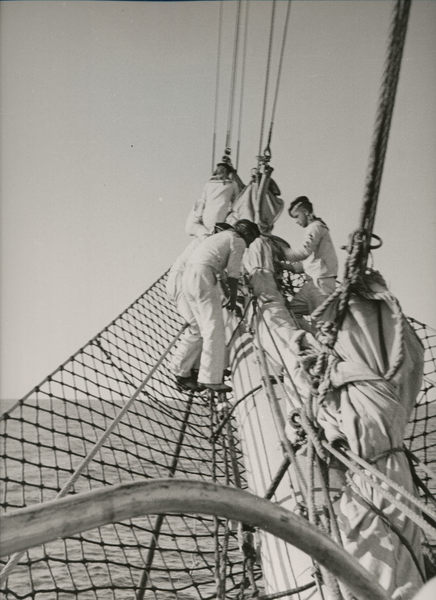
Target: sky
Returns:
[[107, 123]]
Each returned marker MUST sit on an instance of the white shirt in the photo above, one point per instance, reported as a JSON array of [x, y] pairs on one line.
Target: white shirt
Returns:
[[182, 259], [259, 256], [222, 251], [213, 206], [317, 252]]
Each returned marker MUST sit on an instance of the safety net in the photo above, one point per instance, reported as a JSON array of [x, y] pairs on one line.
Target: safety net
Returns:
[[166, 433], [47, 437]]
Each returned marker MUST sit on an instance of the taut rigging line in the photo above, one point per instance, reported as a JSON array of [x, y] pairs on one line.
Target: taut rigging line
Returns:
[[233, 86], [233, 79], [267, 150]]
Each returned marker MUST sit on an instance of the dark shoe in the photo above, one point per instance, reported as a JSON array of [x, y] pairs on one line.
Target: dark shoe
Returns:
[[216, 387], [186, 384]]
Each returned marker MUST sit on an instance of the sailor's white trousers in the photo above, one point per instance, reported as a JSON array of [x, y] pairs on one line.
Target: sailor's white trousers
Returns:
[[202, 293], [188, 351]]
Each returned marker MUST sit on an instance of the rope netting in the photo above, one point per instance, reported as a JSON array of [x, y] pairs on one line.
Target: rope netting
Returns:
[[421, 431], [166, 433]]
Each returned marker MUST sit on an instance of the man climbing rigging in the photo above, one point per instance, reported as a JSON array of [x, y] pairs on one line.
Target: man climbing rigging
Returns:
[[216, 200], [216, 258], [316, 257]]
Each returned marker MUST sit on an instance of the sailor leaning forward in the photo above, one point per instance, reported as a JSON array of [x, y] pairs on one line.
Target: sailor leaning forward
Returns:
[[218, 257]]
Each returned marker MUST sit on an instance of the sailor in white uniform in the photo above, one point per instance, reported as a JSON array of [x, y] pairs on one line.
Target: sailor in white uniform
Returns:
[[175, 293], [216, 258], [316, 257], [215, 202]]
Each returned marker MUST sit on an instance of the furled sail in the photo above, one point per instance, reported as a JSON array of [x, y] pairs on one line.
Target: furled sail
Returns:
[[259, 201]]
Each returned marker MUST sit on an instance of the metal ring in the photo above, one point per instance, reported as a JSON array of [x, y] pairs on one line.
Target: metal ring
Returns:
[[373, 235]]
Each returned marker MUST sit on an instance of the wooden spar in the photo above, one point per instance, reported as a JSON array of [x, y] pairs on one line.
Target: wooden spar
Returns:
[[63, 518]]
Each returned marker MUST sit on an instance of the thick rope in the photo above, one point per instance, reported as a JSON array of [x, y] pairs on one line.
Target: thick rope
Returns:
[[383, 120], [309, 428], [292, 592], [276, 480], [384, 113], [14, 560]]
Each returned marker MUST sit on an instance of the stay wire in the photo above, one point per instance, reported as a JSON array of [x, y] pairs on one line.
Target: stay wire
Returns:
[[241, 98], [268, 67], [233, 79], [217, 83], [279, 74]]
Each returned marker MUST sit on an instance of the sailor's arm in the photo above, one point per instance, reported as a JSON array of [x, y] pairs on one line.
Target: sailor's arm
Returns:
[[310, 242]]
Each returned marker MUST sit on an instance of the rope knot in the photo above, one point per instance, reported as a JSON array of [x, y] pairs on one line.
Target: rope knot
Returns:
[[327, 332]]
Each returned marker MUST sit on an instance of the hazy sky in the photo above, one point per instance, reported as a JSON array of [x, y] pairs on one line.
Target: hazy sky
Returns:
[[106, 141]]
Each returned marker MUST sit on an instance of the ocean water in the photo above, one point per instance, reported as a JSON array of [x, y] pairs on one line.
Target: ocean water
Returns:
[[44, 446]]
